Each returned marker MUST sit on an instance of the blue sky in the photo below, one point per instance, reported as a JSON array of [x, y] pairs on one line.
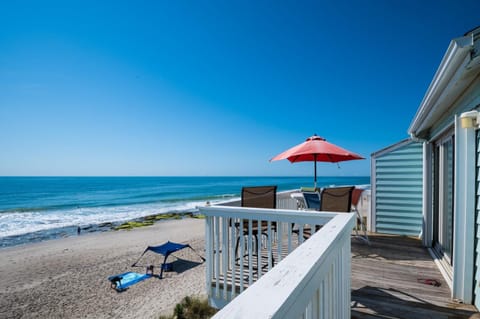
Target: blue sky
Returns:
[[215, 87]]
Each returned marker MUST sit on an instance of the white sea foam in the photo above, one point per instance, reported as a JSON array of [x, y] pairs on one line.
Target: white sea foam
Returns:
[[20, 223]]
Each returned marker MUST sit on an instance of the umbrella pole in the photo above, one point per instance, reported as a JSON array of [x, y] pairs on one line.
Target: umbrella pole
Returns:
[[315, 170]]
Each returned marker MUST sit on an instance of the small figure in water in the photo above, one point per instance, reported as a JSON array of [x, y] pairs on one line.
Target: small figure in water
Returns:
[[78, 230]]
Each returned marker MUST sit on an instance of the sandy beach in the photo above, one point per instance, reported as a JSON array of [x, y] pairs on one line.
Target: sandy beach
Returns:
[[67, 278]]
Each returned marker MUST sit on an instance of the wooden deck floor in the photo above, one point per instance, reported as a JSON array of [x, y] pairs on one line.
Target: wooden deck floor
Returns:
[[388, 281]]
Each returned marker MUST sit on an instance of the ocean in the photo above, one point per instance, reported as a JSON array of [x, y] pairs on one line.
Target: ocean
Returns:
[[34, 209]]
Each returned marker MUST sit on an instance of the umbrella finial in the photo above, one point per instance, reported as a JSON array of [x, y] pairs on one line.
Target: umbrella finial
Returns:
[[315, 137]]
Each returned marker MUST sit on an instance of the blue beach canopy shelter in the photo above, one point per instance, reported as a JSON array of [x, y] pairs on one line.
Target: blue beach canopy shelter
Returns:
[[165, 250]]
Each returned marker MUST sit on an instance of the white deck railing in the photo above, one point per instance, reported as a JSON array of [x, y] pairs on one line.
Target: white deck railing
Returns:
[[311, 281]]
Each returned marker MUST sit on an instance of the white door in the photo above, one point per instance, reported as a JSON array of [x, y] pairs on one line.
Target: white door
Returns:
[[443, 200]]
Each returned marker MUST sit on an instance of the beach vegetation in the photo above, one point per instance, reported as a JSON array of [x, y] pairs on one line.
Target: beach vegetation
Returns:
[[159, 216], [164, 216], [148, 221], [192, 308], [133, 224]]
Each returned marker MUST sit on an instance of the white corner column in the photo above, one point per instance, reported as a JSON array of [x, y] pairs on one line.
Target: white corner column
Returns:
[[372, 219], [464, 213], [427, 227]]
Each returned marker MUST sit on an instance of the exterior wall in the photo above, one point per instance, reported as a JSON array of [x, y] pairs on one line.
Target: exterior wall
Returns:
[[398, 189], [465, 276], [470, 99], [477, 231], [454, 90]]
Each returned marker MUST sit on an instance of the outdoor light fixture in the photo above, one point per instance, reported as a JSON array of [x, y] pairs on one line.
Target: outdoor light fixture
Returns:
[[470, 119]]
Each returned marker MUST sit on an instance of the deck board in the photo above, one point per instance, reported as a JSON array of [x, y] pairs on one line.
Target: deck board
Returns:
[[385, 281]]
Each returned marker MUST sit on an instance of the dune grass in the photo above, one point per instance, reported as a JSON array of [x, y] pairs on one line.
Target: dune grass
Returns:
[[151, 219], [192, 308], [133, 224]]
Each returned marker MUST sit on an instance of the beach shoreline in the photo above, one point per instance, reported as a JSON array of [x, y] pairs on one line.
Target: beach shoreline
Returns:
[[76, 230], [67, 277]]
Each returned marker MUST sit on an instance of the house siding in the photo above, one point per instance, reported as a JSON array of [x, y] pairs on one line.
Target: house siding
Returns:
[[398, 178], [477, 230]]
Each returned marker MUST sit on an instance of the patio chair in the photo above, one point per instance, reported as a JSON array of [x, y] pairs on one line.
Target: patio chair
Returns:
[[356, 199], [307, 200], [335, 199], [345, 199], [257, 197], [310, 201]]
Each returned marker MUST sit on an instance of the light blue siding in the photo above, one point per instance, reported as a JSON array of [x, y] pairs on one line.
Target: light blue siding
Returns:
[[477, 232], [398, 175]]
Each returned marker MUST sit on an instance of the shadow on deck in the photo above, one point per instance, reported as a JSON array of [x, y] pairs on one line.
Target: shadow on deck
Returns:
[[396, 277]]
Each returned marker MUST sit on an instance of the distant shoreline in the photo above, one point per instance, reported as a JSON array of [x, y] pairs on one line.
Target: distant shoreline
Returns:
[[72, 231]]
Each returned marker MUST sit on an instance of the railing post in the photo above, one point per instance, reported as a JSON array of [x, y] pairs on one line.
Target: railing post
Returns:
[[240, 256], [347, 261], [224, 253], [269, 245], [217, 256], [259, 249], [250, 248], [233, 255], [209, 253]]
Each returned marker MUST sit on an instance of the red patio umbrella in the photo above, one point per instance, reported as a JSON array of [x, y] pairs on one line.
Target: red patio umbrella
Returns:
[[316, 149]]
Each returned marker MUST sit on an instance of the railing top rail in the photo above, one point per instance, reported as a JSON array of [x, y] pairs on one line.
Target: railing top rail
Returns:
[[277, 291], [279, 215]]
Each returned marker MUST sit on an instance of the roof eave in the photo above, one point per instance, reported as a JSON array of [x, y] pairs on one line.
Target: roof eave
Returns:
[[391, 148], [455, 56]]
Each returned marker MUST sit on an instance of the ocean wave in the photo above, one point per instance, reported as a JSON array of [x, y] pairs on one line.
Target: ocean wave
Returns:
[[25, 222], [134, 200]]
